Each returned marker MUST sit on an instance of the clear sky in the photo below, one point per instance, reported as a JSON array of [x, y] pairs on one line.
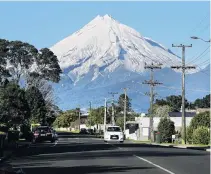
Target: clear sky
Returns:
[[45, 23]]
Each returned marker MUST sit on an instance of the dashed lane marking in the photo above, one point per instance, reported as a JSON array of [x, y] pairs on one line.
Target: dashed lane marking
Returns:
[[162, 168]]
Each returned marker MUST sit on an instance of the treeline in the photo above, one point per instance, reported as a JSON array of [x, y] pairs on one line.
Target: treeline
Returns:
[[26, 95], [173, 103], [96, 115]]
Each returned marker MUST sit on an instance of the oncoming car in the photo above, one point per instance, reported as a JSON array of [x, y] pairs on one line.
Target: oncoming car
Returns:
[[114, 133]]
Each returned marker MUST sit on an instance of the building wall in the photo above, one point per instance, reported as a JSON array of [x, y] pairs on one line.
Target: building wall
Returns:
[[143, 132]]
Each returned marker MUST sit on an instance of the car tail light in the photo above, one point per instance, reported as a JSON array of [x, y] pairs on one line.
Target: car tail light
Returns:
[[36, 133]]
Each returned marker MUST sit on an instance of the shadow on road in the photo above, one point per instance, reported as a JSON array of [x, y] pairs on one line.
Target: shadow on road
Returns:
[[82, 169], [74, 135]]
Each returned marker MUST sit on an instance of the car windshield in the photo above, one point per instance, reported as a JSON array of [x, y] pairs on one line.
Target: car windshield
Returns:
[[114, 129], [43, 129]]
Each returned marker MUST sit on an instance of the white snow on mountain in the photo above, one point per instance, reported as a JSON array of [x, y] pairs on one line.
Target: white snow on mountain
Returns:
[[104, 45]]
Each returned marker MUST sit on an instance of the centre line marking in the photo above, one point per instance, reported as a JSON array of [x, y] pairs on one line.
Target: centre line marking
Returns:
[[166, 170]]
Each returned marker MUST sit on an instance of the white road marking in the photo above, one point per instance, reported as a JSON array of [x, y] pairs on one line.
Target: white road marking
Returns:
[[166, 170]]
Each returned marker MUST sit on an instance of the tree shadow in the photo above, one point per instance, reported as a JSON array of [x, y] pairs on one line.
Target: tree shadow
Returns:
[[82, 169]]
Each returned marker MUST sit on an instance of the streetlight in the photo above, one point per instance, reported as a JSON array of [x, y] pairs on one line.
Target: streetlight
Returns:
[[194, 37]]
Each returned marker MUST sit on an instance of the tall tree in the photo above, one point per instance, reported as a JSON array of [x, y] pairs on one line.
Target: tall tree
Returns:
[[24, 60], [48, 66], [13, 104], [4, 73], [21, 57], [121, 102], [203, 103], [96, 116], [66, 118], [175, 102], [37, 105]]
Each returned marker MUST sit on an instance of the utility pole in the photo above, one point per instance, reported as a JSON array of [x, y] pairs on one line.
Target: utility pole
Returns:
[[152, 83], [113, 120], [105, 114], [183, 67], [90, 110], [79, 117], [125, 110]]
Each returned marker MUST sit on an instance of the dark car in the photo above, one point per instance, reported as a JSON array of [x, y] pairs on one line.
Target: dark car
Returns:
[[90, 131], [43, 133], [83, 131]]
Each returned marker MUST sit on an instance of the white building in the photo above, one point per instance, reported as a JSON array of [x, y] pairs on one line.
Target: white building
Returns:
[[141, 132]]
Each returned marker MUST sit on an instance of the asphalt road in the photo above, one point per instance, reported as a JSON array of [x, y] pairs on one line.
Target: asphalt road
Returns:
[[73, 153]]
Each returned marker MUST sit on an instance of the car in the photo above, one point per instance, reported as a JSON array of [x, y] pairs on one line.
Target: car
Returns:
[[83, 131], [114, 134], [90, 131], [43, 133]]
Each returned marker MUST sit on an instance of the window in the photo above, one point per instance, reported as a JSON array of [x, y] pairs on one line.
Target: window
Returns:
[[114, 129]]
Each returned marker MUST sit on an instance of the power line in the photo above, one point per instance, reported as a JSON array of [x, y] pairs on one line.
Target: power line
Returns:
[[194, 59]]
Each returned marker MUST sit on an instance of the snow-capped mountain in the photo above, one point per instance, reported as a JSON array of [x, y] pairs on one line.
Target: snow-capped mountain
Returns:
[[106, 55]]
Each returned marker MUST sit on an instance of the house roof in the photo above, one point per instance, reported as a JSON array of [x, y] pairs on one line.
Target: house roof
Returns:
[[179, 114]]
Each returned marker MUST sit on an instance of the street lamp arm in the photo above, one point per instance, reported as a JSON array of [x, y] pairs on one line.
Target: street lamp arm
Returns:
[[195, 37]]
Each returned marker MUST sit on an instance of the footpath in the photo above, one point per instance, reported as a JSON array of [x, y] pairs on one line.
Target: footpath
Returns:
[[181, 146]]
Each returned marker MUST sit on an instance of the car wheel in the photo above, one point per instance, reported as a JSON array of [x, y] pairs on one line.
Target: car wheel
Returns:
[[121, 141], [52, 141], [105, 141]]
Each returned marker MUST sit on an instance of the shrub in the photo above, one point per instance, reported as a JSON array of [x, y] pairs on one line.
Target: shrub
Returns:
[[201, 119], [201, 135], [167, 129]]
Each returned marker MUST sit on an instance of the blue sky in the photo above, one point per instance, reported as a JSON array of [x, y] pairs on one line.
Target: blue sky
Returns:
[[45, 23]]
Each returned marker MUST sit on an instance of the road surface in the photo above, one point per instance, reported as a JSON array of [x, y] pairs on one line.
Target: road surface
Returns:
[[75, 154]]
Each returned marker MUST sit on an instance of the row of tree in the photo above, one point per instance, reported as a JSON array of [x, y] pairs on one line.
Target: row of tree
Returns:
[[96, 115], [173, 103], [25, 91]]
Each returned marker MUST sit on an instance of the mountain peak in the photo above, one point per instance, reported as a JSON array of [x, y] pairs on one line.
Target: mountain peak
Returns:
[[104, 46]]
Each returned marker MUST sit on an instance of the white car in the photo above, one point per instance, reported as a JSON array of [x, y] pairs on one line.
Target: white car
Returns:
[[114, 133]]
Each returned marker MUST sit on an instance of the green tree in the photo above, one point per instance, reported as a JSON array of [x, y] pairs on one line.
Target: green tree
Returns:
[[4, 73], [203, 103], [161, 102], [201, 119], [21, 57], [129, 117], [121, 101], [65, 119], [37, 105], [26, 61], [201, 135], [166, 128], [175, 102], [162, 111], [48, 66], [13, 104], [96, 116]]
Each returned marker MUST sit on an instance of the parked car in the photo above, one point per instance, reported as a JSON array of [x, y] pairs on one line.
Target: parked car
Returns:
[[90, 131], [44, 133], [83, 131], [114, 133]]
